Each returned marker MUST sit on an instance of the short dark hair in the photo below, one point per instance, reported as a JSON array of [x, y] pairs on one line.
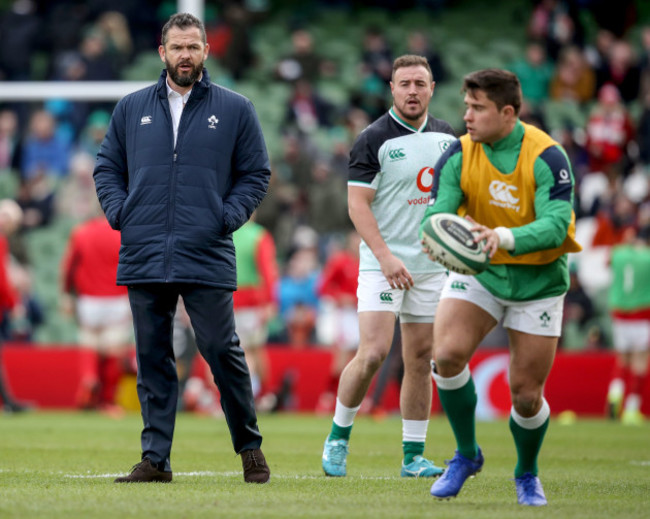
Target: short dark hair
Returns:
[[411, 60], [183, 21], [500, 86]]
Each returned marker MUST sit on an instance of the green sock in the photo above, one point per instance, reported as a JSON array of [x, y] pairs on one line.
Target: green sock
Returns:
[[460, 408], [528, 443], [411, 450], [340, 433]]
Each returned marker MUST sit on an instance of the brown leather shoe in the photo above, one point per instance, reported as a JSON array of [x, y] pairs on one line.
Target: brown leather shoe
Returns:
[[145, 472], [255, 468]]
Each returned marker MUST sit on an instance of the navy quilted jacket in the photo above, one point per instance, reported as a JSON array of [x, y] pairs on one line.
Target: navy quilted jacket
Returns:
[[177, 208]]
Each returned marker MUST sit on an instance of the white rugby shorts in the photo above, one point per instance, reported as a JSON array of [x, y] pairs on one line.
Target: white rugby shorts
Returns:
[[104, 322], [537, 317], [417, 305], [95, 311], [338, 326], [252, 327], [631, 335]]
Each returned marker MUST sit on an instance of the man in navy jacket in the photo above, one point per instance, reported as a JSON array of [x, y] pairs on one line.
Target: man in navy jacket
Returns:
[[182, 166]]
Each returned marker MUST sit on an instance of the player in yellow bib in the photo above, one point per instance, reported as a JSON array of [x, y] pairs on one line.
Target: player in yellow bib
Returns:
[[516, 184]]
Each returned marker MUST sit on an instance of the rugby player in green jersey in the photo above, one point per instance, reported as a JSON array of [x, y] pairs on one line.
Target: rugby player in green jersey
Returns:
[[629, 302], [516, 184]]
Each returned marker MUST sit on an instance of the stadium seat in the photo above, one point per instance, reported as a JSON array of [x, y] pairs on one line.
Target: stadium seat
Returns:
[[560, 114], [45, 247], [8, 183], [333, 91], [145, 67], [448, 104], [376, 17], [504, 51]]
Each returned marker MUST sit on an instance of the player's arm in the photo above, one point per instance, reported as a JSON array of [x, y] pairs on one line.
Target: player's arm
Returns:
[[553, 204], [363, 181], [359, 207], [267, 265], [446, 194], [328, 285]]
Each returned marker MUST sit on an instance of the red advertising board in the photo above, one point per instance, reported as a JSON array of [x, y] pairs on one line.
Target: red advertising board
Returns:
[[52, 377]]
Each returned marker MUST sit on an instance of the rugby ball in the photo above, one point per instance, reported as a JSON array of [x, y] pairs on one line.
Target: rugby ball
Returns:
[[449, 239]]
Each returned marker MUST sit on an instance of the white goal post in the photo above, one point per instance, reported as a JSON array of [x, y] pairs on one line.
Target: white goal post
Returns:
[[32, 91]]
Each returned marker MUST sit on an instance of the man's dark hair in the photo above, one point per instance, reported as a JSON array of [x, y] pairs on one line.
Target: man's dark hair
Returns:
[[183, 21], [411, 60], [500, 86]]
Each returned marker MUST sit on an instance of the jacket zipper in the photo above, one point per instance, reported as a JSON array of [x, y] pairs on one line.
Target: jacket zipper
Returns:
[[170, 219], [172, 197]]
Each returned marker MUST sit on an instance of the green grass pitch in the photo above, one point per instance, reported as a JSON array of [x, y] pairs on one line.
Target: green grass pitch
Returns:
[[62, 465]]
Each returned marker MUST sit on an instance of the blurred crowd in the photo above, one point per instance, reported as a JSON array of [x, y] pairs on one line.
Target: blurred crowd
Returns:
[[601, 73]]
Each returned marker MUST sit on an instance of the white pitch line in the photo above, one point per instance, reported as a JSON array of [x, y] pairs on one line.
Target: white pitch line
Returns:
[[208, 473], [223, 474], [197, 473]]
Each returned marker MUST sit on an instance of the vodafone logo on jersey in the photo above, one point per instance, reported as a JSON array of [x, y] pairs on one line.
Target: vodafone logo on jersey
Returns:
[[425, 179], [424, 182]]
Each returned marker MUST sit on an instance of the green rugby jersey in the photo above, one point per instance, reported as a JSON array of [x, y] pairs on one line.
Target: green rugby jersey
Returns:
[[396, 160], [630, 289], [553, 209]]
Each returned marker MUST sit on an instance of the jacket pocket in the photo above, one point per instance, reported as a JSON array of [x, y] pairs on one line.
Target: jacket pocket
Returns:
[[124, 212], [220, 224]]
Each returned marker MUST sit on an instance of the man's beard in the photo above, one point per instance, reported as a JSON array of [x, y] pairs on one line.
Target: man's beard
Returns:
[[184, 80], [409, 115]]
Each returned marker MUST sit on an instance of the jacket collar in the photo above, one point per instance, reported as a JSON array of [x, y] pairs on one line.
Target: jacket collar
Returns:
[[199, 90]]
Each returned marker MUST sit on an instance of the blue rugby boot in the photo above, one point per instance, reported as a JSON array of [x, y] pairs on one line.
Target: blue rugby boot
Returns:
[[530, 491], [335, 453], [420, 468], [459, 469]]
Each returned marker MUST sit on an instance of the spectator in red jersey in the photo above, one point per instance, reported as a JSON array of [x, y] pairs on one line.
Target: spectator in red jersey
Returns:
[[254, 299], [609, 131], [614, 221], [10, 219], [101, 307], [338, 322]]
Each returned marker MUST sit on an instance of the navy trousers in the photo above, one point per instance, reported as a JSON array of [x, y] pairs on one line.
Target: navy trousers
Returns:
[[211, 313]]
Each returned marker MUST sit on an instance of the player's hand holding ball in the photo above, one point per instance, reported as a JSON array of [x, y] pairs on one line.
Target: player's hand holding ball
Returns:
[[452, 241]]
